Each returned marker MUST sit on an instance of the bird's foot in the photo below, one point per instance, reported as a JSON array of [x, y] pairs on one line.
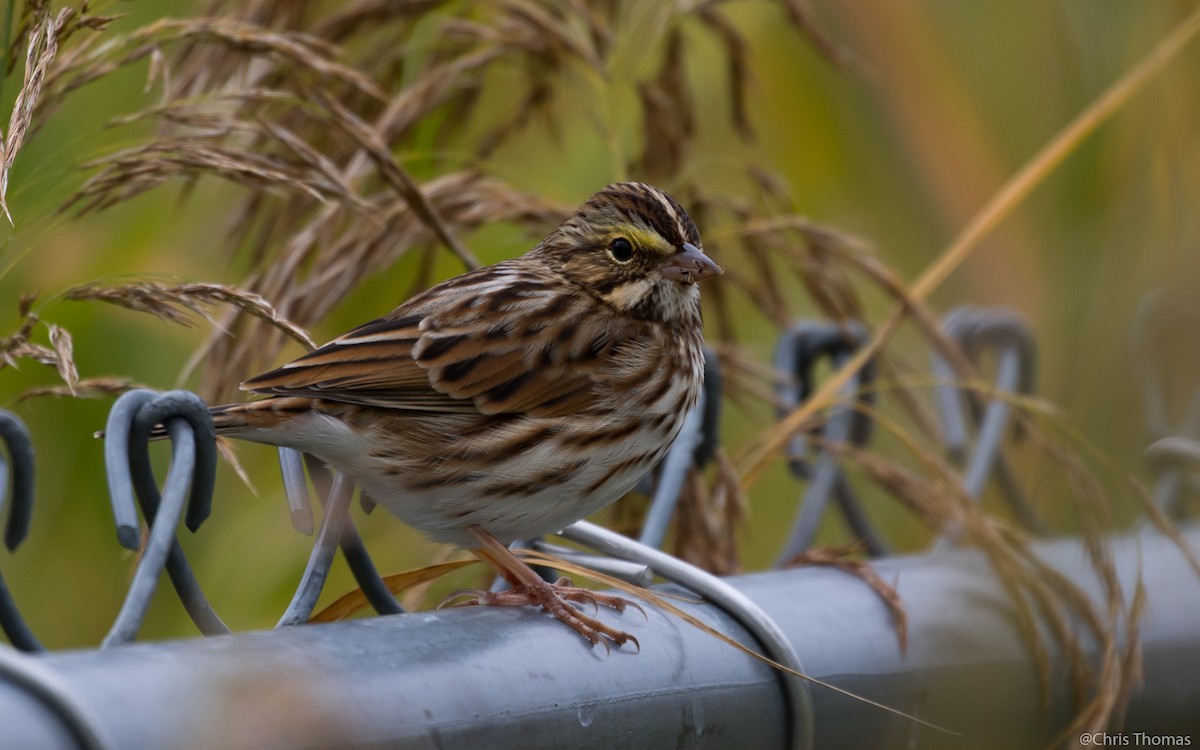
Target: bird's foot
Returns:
[[556, 598]]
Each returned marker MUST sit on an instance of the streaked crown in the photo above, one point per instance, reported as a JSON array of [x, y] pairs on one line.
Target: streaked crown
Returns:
[[621, 245], [635, 204]]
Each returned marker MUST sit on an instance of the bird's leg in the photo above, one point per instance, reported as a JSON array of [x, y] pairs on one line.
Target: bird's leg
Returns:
[[527, 587]]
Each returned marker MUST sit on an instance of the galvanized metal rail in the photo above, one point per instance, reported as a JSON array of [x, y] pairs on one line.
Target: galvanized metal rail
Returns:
[[502, 678]]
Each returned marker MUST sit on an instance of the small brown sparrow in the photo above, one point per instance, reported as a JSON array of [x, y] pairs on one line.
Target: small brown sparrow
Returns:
[[513, 400]]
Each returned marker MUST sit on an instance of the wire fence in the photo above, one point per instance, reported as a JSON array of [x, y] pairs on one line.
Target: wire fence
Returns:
[[693, 687]]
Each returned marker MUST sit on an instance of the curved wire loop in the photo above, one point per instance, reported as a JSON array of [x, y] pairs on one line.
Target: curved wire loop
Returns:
[[49, 689], [15, 437], [1176, 454], [1157, 317], [337, 511], [295, 489], [190, 481], [292, 464], [1174, 451], [771, 638], [631, 572], [797, 353], [1005, 332], [978, 330]]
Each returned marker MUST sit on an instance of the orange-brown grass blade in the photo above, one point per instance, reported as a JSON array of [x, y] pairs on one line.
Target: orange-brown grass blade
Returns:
[[355, 601]]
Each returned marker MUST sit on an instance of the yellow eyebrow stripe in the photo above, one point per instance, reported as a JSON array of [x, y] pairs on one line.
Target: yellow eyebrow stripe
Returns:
[[642, 238]]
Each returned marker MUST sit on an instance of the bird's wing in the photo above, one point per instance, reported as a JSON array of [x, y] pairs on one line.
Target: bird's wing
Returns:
[[479, 343]]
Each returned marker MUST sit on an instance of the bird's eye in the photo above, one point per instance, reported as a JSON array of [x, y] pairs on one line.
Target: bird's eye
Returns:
[[621, 250]]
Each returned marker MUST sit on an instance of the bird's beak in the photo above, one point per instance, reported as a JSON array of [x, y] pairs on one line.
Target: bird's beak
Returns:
[[690, 265]]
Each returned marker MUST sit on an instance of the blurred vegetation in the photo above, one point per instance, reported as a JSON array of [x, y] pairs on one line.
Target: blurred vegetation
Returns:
[[894, 123]]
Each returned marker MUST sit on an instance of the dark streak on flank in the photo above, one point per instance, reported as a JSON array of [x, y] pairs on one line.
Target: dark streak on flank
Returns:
[[589, 438], [430, 483], [658, 421], [620, 467], [664, 386], [553, 477], [486, 450]]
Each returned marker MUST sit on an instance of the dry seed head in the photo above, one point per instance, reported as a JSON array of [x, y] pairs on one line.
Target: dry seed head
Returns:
[[173, 303], [98, 387]]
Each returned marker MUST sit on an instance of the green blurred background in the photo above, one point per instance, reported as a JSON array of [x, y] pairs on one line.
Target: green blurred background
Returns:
[[954, 98]]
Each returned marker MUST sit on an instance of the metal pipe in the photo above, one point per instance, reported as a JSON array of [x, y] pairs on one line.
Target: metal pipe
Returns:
[[507, 678]]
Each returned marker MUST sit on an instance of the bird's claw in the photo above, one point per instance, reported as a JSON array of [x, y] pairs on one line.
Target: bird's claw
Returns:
[[554, 598]]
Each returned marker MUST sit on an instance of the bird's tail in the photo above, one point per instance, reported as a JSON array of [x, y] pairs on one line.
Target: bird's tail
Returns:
[[233, 420]]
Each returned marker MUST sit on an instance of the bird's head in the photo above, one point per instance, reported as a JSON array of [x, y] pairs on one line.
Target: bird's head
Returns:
[[633, 247]]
